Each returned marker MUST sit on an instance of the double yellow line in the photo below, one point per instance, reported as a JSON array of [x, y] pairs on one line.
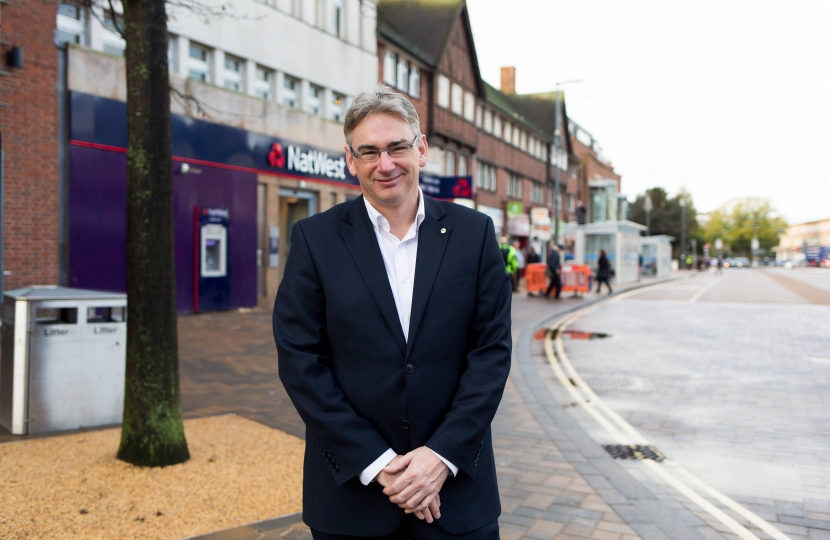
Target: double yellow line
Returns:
[[624, 433]]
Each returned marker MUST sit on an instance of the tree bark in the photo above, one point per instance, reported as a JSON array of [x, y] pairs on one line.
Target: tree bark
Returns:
[[152, 434]]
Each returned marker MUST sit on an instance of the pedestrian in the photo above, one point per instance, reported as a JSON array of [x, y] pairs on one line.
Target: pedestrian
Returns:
[[639, 267], [720, 264], [520, 258], [554, 272], [392, 324], [511, 262], [532, 256], [603, 272]]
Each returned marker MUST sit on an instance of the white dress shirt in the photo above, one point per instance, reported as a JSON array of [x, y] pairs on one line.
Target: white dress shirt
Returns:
[[399, 257]]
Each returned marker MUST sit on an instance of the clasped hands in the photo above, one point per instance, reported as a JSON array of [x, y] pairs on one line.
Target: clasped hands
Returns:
[[412, 481]]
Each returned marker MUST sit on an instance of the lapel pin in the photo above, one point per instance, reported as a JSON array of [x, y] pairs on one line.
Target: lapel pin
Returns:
[[443, 231]]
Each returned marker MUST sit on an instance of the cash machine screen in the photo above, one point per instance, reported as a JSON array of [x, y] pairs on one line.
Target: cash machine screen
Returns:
[[214, 251]]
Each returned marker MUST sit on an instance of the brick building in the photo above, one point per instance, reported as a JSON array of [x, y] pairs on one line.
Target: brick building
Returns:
[[426, 51], [31, 213]]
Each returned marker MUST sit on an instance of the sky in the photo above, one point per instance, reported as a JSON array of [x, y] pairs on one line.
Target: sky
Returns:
[[725, 99]]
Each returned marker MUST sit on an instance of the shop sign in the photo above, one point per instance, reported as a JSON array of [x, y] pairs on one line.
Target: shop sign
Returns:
[[496, 214], [446, 187], [540, 215], [518, 225], [304, 160], [514, 208]]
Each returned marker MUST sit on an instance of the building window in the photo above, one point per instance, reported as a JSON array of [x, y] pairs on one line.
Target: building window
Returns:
[[289, 92], [469, 107], [336, 107], [479, 117], [198, 66], [536, 194], [488, 121], [295, 8], [233, 73], [496, 125], [486, 177], [508, 133], [443, 92], [403, 75], [450, 163], [337, 17], [262, 83], [113, 42], [414, 81], [523, 141], [462, 165], [70, 24], [315, 93], [457, 96], [389, 68], [514, 186]]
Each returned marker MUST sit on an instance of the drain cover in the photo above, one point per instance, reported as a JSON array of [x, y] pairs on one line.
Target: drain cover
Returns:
[[634, 451]]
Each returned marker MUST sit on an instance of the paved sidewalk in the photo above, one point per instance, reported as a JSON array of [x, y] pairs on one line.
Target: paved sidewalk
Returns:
[[555, 480]]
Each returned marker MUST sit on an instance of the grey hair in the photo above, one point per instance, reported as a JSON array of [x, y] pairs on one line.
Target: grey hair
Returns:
[[381, 100]]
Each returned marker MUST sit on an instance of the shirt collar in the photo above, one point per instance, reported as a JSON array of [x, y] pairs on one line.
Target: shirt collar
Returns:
[[379, 222]]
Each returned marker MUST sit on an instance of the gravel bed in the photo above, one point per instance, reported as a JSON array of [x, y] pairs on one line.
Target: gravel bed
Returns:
[[72, 486]]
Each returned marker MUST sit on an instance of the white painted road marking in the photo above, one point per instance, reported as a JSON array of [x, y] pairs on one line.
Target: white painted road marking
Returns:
[[626, 434]]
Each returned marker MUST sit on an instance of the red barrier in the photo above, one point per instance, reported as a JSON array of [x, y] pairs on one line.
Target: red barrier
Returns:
[[535, 277], [576, 278]]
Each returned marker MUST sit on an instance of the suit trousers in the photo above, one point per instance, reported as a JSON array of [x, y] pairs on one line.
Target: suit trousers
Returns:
[[413, 528]]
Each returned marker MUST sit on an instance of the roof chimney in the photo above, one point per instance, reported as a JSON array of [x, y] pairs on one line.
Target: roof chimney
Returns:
[[508, 80]]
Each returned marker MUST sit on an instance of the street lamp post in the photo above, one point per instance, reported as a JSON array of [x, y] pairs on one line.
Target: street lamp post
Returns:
[[556, 141], [682, 232]]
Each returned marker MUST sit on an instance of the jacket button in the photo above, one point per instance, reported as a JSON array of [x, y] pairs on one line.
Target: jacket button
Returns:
[[405, 424], [410, 368]]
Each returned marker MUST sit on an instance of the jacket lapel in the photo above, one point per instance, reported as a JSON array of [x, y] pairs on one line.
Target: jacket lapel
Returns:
[[432, 240], [363, 245]]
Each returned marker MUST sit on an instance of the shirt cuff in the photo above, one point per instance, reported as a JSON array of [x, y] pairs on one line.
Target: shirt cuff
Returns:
[[369, 473], [453, 468]]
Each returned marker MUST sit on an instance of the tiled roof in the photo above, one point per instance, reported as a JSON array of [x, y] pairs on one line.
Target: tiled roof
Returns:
[[423, 27]]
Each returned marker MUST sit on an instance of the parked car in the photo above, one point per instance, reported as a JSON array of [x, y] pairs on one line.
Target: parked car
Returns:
[[740, 262]]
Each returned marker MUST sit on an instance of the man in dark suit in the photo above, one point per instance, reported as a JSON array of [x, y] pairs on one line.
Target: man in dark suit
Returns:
[[554, 272], [392, 324]]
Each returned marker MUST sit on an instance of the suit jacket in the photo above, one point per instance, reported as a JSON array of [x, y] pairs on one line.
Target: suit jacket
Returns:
[[361, 388], [554, 260]]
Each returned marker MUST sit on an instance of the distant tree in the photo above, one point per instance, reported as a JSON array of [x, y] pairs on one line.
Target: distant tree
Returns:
[[738, 221], [666, 216]]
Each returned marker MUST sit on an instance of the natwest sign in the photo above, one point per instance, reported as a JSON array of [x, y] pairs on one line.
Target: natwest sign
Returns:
[[308, 162]]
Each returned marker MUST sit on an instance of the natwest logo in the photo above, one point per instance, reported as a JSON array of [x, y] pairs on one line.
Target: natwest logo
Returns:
[[462, 189], [316, 163], [276, 157]]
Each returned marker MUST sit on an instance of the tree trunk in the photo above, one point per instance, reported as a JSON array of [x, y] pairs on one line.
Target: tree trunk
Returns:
[[152, 434]]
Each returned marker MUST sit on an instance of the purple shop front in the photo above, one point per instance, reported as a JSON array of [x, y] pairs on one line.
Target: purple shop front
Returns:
[[97, 225]]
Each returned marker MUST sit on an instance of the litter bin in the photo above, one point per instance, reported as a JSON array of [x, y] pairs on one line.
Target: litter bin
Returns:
[[63, 357]]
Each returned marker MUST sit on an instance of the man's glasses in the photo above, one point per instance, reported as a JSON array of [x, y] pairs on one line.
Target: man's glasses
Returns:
[[396, 151]]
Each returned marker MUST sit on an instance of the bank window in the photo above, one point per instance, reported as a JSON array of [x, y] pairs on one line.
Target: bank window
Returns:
[[336, 107], [289, 92], [457, 96], [70, 24], [198, 66], [536, 194], [414, 81], [262, 83], [486, 177], [443, 92], [462, 165], [233, 73], [337, 17], [469, 107], [450, 163], [514, 186], [389, 68], [315, 93]]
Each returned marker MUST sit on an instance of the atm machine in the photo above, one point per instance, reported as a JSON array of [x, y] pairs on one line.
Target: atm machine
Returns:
[[211, 286]]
